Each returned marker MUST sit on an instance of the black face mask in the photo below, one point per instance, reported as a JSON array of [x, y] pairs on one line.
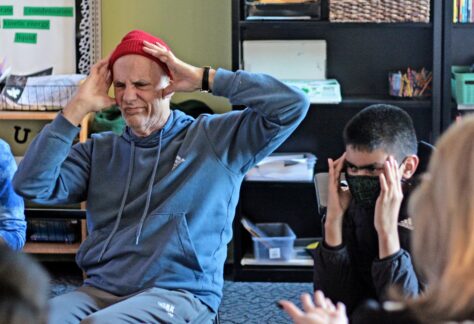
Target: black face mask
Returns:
[[364, 189]]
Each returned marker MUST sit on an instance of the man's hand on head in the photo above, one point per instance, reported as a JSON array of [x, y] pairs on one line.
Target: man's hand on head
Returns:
[[92, 95], [184, 77]]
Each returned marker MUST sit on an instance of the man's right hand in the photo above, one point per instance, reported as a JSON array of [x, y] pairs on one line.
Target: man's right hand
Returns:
[[92, 95], [338, 202]]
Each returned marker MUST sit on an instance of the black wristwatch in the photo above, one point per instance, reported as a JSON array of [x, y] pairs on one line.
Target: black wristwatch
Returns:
[[205, 80]]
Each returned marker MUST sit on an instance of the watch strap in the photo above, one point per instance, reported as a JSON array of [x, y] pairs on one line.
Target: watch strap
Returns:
[[205, 79]]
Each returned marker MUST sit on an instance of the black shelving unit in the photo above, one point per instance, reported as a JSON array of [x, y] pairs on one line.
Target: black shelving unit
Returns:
[[458, 49], [359, 56]]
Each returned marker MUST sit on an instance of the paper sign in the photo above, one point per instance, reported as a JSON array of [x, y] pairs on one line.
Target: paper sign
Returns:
[[48, 11], [6, 10], [25, 24], [54, 44], [28, 38]]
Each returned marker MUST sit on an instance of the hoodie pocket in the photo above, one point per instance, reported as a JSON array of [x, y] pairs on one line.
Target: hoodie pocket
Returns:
[[168, 235], [165, 256]]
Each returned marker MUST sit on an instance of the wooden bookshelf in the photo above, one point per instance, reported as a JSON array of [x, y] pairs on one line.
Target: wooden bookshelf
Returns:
[[27, 115], [52, 213], [51, 248]]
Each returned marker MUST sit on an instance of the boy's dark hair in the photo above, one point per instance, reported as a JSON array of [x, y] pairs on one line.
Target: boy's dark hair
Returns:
[[384, 127], [24, 288]]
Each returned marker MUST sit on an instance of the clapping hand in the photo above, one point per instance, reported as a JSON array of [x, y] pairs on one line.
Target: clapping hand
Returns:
[[321, 311]]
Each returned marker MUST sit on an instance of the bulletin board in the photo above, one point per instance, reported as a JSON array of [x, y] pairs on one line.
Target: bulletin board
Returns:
[[39, 34]]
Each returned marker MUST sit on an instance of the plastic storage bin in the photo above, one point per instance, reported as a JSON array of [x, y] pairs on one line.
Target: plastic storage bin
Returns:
[[278, 245], [462, 84]]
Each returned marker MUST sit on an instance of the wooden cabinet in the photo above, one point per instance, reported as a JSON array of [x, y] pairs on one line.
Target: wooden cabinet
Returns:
[[52, 213]]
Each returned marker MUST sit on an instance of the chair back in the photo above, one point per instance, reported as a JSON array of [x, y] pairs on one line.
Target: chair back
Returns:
[[425, 150], [321, 188]]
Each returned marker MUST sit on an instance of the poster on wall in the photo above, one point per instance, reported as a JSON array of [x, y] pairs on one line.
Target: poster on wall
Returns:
[[40, 34], [57, 36]]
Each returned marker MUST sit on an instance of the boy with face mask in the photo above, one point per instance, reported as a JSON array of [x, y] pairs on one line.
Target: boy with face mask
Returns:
[[364, 248]]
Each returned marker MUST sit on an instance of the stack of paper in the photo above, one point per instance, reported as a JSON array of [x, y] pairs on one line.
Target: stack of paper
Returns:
[[319, 91], [284, 167]]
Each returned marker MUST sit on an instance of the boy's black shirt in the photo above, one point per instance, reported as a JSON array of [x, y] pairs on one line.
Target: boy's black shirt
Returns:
[[352, 272]]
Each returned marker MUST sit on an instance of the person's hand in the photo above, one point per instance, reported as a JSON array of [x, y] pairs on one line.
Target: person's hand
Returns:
[[322, 311], [387, 208], [184, 77], [338, 202], [92, 95]]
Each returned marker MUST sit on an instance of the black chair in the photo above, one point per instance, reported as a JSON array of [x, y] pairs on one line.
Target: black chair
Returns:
[[425, 150]]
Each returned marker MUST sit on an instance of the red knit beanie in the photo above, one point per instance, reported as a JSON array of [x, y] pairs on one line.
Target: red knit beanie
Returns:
[[132, 43]]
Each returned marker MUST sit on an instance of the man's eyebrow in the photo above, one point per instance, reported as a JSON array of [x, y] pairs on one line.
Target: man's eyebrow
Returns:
[[141, 81]]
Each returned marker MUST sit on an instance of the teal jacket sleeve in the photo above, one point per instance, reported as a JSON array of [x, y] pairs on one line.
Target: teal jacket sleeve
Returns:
[[273, 111], [12, 217]]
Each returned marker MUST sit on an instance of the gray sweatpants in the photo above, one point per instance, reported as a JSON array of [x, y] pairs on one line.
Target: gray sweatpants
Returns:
[[154, 305]]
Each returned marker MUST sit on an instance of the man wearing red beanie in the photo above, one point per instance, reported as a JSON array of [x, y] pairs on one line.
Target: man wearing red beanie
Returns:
[[161, 197]]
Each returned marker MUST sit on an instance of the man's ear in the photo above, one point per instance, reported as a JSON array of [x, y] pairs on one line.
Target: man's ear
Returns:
[[411, 163]]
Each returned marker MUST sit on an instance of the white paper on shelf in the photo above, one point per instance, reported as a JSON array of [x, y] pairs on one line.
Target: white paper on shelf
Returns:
[[299, 59], [283, 167], [249, 259], [319, 91]]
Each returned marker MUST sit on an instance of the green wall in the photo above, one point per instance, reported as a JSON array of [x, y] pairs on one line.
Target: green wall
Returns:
[[198, 32]]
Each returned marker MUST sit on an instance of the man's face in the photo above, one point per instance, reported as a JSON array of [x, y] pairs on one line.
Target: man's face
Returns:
[[138, 83]]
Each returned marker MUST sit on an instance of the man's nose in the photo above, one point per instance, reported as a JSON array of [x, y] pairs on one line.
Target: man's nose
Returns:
[[129, 94]]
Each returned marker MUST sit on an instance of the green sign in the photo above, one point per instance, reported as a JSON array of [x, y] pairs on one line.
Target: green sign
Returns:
[[28, 38], [6, 10], [49, 11], [25, 24]]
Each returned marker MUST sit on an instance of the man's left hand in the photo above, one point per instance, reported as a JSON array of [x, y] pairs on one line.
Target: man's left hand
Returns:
[[184, 77]]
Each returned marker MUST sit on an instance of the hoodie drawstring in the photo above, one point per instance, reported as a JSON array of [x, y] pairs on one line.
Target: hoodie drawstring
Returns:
[[122, 205], [150, 189]]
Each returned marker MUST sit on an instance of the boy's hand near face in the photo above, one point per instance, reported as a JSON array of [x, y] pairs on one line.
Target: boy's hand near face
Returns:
[[338, 202], [387, 208]]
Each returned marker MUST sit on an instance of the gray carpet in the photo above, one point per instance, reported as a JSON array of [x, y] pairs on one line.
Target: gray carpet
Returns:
[[243, 302]]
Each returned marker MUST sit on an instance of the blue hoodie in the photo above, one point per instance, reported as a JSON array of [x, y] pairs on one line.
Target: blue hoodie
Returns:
[[160, 208], [12, 217]]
